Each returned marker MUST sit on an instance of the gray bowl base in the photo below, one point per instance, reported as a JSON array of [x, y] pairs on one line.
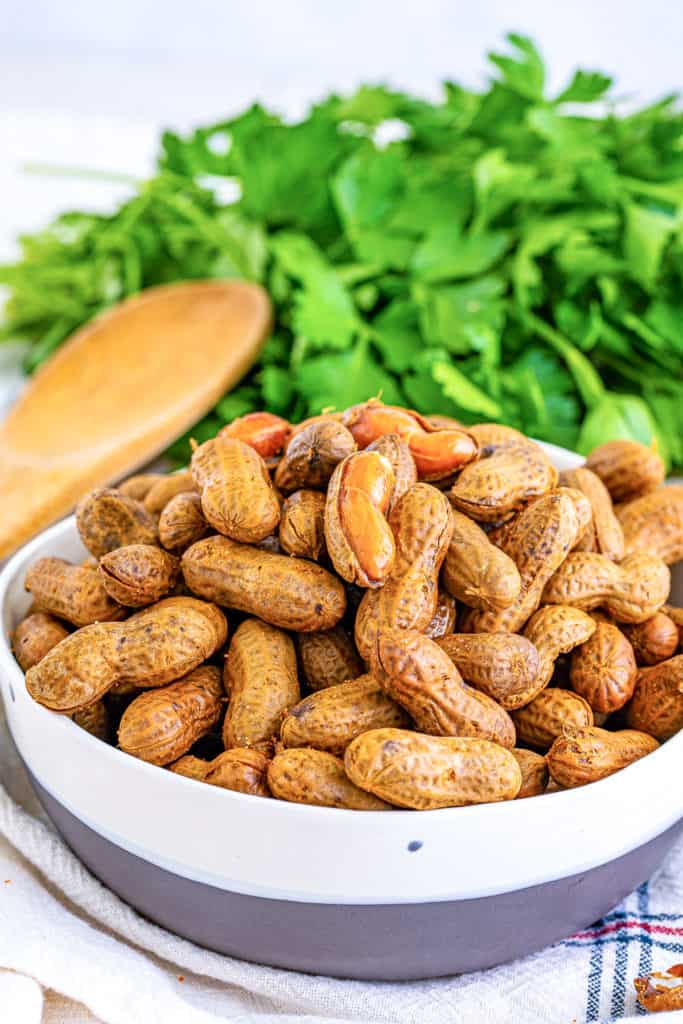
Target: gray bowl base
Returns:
[[390, 942]]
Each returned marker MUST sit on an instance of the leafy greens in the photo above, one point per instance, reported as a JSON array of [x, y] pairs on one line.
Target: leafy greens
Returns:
[[508, 256]]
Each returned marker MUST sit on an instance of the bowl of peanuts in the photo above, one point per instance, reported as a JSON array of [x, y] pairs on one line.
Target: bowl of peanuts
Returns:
[[470, 637]]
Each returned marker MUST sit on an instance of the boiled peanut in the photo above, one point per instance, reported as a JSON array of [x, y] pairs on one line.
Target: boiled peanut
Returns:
[[261, 679], [475, 571], [331, 718], [603, 670], [159, 495], [237, 496], [661, 990], [503, 665], [420, 676], [495, 433], [654, 640], [437, 453], [426, 772], [94, 719], [538, 541], [35, 635], [138, 574], [292, 593], [182, 521], [504, 478], [161, 725], [586, 754], [534, 769], [393, 448], [262, 431], [328, 658], [585, 533], [554, 630], [440, 422], [546, 716], [657, 704], [630, 592], [422, 524], [302, 525], [107, 519], [139, 486], [606, 535], [305, 776], [240, 769], [312, 454], [654, 524], [152, 648], [627, 469], [70, 592], [191, 767], [358, 537], [442, 621]]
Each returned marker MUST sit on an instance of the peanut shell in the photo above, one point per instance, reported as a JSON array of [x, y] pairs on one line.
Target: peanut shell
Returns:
[[237, 496], [35, 636], [107, 519], [587, 754], [138, 574], [305, 776]]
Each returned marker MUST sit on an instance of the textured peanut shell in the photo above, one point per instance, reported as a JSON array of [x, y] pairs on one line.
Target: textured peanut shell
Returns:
[[260, 677], [603, 670], [606, 534], [421, 772], [70, 592], [397, 452], [161, 725], [545, 717], [35, 635], [654, 524], [676, 616], [241, 770], [422, 523], [139, 486], [657, 704], [191, 767], [95, 720], [534, 769], [152, 648], [305, 776], [359, 540], [442, 621], [78, 671], [654, 640], [420, 676], [661, 991], [504, 478], [587, 754], [238, 499], [182, 521], [630, 592], [328, 658], [292, 593], [160, 644], [107, 519], [159, 495], [627, 469], [312, 454], [138, 574], [554, 630], [331, 718], [475, 571], [302, 525], [503, 665], [538, 541], [495, 434]]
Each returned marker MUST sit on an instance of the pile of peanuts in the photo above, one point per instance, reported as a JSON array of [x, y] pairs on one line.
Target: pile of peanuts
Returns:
[[371, 609]]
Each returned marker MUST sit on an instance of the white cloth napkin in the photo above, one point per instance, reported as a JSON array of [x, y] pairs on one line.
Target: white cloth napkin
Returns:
[[71, 952]]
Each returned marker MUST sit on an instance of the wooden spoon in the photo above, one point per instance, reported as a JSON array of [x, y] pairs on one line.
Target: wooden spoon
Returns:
[[121, 390]]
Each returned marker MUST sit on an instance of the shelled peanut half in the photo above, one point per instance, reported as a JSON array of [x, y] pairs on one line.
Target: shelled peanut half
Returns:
[[369, 610]]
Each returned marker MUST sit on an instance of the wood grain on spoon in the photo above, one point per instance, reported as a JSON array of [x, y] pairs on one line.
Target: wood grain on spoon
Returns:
[[120, 391]]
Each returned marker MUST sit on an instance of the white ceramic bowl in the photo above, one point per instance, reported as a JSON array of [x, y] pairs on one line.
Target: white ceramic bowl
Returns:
[[393, 894]]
